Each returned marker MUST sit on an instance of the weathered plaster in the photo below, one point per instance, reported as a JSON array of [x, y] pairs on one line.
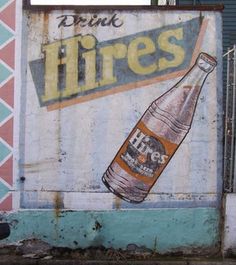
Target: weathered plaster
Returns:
[[163, 230]]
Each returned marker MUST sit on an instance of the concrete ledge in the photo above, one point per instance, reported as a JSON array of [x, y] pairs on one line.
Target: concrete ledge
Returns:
[[181, 231], [229, 242]]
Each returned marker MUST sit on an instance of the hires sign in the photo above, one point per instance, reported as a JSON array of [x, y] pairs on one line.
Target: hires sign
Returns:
[[80, 66]]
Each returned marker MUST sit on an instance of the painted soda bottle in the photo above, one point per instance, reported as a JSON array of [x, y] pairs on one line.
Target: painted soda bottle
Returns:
[[157, 135]]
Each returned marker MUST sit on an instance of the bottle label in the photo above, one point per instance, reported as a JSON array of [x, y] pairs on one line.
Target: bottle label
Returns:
[[144, 154]]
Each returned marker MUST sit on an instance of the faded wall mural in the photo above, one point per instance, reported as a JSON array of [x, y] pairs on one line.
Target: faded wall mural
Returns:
[[90, 77]]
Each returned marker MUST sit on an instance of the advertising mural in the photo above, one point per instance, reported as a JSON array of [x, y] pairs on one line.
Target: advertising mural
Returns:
[[113, 101]]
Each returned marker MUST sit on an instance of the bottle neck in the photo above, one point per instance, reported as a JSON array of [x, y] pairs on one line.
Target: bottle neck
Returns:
[[195, 77], [174, 110], [180, 101]]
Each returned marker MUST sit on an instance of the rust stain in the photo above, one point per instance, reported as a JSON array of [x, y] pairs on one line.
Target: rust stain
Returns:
[[77, 27], [33, 165], [45, 27], [58, 204], [117, 203]]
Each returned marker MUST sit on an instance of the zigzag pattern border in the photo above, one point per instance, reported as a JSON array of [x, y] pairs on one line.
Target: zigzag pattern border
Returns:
[[7, 83]]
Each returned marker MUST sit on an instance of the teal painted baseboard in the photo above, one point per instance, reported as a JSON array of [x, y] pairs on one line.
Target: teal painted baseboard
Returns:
[[162, 230]]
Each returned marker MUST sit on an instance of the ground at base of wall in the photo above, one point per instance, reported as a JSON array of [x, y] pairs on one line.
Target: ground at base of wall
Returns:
[[18, 260], [37, 252], [40, 250]]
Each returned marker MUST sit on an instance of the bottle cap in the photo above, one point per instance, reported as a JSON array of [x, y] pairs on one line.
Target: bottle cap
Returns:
[[206, 62]]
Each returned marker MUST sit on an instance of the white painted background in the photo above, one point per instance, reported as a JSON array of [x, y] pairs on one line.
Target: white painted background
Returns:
[[92, 132]]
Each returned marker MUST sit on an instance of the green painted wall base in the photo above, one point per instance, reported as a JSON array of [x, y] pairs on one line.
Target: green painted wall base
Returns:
[[162, 230]]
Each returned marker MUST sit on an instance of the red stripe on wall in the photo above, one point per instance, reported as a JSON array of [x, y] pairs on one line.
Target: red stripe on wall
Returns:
[[8, 15], [6, 205], [6, 171], [7, 92], [6, 132], [7, 54]]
